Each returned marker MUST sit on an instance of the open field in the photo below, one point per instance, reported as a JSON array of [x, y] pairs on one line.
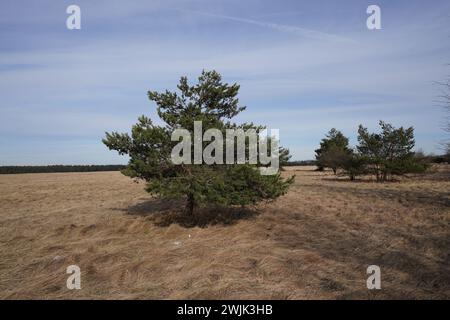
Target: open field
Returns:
[[315, 242]]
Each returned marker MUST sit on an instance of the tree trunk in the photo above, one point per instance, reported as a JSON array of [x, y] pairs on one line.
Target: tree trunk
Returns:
[[190, 204]]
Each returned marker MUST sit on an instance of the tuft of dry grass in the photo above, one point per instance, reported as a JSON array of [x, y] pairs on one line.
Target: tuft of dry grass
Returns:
[[314, 243]]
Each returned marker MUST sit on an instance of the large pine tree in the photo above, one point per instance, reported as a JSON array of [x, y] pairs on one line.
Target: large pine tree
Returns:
[[149, 148]]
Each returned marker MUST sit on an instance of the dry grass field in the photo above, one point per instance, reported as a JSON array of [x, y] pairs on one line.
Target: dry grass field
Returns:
[[314, 243]]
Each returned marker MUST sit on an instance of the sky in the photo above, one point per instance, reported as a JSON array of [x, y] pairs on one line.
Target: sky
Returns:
[[304, 67]]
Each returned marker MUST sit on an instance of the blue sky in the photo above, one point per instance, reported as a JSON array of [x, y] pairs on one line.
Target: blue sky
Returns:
[[304, 67]]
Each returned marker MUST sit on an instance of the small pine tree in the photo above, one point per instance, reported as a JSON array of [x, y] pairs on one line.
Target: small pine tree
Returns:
[[149, 148], [389, 152], [353, 165], [333, 148]]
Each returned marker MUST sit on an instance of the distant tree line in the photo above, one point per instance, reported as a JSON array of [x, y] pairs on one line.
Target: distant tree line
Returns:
[[59, 168], [384, 154], [300, 163]]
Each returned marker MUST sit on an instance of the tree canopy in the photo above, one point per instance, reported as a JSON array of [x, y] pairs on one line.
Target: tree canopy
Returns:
[[149, 148], [383, 154], [333, 150]]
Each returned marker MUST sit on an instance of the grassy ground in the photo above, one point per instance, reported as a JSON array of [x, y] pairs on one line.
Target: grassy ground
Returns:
[[314, 243]]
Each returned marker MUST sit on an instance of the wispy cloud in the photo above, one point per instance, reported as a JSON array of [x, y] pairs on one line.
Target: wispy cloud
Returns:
[[61, 90], [294, 30]]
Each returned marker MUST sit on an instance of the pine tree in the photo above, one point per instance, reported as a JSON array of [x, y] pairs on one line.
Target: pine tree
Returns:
[[149, 148], [353, 165], [333, 149], [389, 152]]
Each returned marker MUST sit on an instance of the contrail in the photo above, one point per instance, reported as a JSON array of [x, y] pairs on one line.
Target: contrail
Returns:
[[308, 33]]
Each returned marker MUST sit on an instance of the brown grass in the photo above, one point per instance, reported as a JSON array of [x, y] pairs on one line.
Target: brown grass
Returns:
[[314, 243]]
